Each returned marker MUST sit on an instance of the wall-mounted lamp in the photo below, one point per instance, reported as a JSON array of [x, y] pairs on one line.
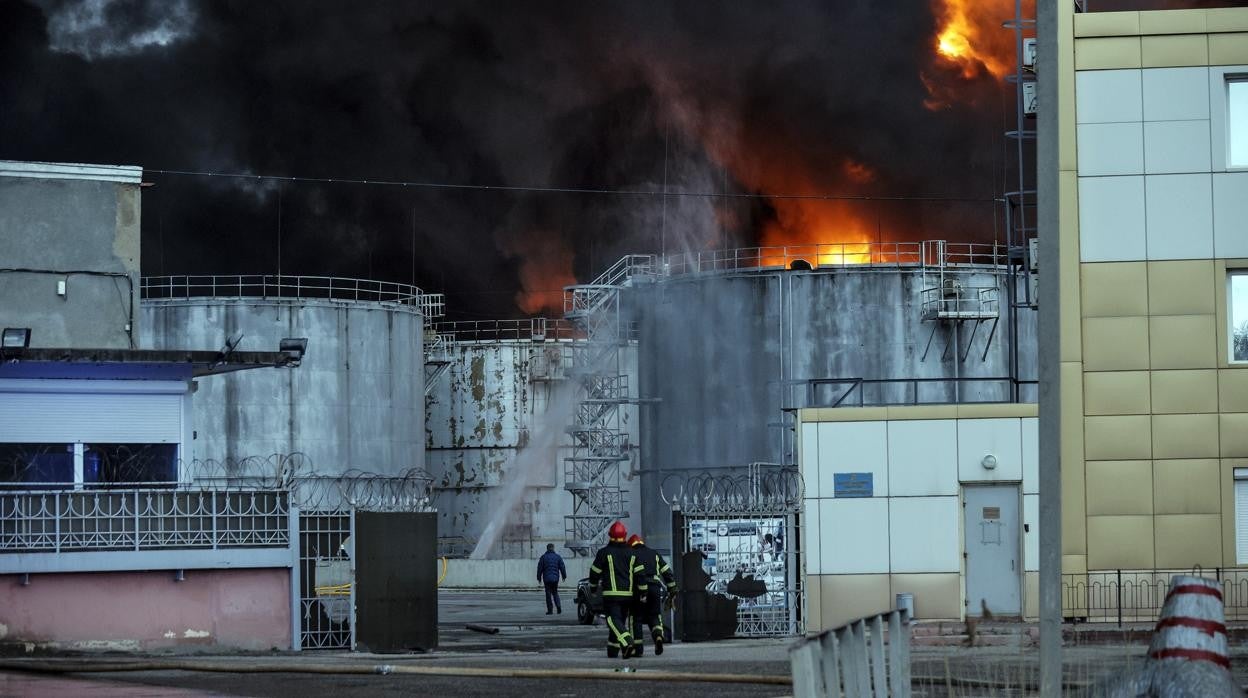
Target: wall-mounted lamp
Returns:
[[294, 348], [989, 462], [179, 575], [15, 338], [23, 579]]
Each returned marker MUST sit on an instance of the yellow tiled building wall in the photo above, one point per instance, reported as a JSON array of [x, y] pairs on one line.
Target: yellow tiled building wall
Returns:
[[1154, 418]]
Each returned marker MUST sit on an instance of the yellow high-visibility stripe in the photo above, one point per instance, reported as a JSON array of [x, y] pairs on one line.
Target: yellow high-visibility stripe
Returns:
[[621, 638]]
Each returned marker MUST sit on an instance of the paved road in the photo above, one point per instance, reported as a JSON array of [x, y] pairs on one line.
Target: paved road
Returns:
[[527, 639]]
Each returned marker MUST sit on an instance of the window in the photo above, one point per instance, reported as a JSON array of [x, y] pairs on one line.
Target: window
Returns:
[[1241, 515], [63, 465], [119, 464], [1237, 121], [1237, 315], [32, 464]]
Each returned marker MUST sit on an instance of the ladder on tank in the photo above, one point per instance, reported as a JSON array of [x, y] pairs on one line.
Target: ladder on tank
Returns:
[[600, 445]]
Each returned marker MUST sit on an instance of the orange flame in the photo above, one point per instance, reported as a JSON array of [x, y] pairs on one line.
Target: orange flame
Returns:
[[545, 268], [970, 42], [970, 36]]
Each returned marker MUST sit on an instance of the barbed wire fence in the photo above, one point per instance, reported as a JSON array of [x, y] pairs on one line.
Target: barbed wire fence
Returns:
[[762, 488]]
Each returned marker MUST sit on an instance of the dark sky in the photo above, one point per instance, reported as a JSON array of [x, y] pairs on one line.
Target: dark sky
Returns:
[[738, 97]]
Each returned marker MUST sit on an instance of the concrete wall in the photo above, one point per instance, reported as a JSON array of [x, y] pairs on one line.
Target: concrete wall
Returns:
[[723, 354], [509, 574], [141, 611], [356, 402], [478, 416], [80, 231], [908, 536]]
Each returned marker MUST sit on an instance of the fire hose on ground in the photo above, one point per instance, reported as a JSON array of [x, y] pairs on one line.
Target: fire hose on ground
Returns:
[[271, 667]]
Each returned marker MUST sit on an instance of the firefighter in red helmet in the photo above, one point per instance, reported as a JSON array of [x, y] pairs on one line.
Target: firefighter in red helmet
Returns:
[[615, 568], [656, 577]]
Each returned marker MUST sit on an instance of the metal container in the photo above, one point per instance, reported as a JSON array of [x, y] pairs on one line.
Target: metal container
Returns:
[[502, 378], [730, 344], [357, 400], [905, 602]]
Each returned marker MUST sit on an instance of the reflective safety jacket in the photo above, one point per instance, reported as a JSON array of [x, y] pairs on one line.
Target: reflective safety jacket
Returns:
[[615, 569], [655, 570]]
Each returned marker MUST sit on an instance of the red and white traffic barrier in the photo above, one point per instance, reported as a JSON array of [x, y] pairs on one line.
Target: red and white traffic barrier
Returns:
[[1188, 656], [1191, 627]]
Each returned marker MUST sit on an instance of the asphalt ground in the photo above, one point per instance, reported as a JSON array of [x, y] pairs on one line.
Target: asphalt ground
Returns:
[[530, 640]]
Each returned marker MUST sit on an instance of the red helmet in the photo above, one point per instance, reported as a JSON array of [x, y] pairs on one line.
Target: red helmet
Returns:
[[617, 532], [635, 540]]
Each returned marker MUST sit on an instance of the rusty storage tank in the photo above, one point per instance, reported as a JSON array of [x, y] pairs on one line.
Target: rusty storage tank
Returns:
[[504, 384], [728, 340], [357, 401]]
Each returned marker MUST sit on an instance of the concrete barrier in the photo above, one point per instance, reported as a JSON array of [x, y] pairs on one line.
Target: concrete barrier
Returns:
[[506, 574]]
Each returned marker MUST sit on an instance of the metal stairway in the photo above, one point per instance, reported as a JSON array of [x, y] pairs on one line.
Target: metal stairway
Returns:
[[599, 443], [437, 346]]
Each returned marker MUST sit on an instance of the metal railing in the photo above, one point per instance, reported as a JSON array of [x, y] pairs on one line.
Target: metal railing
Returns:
[[865, 392], [853, 661], [142, 519], [294, 287], [1120, 596], [834, 255], [525, 329], [958, 302]]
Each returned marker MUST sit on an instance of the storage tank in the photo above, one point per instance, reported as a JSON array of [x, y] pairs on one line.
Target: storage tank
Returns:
[[355, 403], [730, 340], [508, 386]]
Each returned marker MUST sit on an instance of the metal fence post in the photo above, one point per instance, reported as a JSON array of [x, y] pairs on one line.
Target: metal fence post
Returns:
[[807, 680], [296, 586], [877, 654], [354, 573], [1120, 598]]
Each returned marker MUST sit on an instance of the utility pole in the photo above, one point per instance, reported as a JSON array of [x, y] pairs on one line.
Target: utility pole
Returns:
[[1049, 324]]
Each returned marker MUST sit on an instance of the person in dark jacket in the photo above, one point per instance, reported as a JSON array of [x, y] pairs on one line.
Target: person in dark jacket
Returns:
[[656, 576], [616, 569], [550, 571]]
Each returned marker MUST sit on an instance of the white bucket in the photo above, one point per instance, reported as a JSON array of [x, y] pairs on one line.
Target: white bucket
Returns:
[[905, 602]]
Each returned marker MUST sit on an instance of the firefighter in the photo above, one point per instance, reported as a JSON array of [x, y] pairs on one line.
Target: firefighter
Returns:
[[648, 604], [615, 568]]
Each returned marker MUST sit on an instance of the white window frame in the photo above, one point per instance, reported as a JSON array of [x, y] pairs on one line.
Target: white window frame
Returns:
[[1231, 275], [1241, 515], [1220, 79]]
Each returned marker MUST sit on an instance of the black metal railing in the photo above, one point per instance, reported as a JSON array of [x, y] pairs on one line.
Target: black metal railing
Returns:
[[1120, 596], [864, 392]]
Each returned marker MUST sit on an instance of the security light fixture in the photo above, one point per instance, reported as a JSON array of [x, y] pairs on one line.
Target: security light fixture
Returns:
[[294, 347], [989, 462], [15, 338]]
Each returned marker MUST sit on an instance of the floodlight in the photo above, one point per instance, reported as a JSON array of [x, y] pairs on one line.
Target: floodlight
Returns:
[[15, 338], [294, 347]]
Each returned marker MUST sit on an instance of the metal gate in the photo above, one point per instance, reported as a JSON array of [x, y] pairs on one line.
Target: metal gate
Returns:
[[327, 559], [747, 528], [326, 580]]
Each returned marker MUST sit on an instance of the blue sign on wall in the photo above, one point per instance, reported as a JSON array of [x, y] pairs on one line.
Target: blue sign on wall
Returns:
[[852, 484]]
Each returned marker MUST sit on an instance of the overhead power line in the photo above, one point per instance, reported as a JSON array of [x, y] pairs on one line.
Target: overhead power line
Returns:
[[568, 190]]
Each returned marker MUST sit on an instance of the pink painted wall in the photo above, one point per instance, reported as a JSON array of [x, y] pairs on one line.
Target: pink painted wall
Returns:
[[244, 609]]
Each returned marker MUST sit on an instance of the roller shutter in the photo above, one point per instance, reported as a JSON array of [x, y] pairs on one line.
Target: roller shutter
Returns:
[[98, 416]]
